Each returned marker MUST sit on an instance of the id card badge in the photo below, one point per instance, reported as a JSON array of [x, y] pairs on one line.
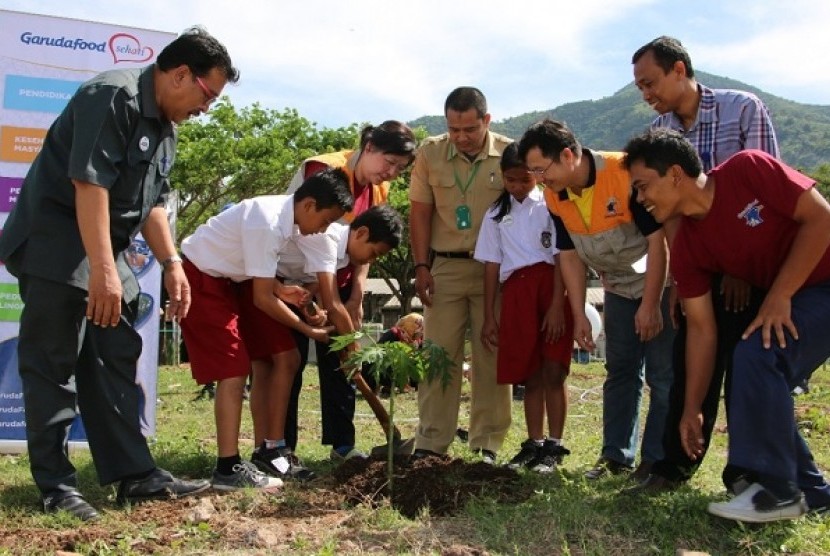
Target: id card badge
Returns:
[[462, 217]]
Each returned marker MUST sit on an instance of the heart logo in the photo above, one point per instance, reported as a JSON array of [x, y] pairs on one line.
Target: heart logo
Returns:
[[127, 48]]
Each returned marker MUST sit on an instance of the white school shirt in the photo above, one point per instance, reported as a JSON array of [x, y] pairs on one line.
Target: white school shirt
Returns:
[[244, 241], [304, 256], [524, 237]]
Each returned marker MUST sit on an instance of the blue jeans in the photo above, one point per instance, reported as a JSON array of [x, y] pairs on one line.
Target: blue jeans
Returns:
[[763, 435], [630, 363]]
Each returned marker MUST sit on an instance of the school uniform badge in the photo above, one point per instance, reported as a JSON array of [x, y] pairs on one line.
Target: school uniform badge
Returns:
[[752, 214], [546, 239]]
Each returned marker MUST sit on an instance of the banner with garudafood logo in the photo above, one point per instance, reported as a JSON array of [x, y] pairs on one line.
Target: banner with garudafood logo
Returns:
[[43, 60]]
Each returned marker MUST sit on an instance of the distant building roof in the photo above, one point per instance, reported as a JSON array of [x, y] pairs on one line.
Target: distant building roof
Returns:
[[378, 286]]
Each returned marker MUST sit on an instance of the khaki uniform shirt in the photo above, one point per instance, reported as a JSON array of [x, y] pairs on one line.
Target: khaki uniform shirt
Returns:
[[441, 172]]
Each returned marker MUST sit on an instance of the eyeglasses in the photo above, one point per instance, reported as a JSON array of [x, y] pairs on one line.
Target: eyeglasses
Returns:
[[210, 96], [542, 172]]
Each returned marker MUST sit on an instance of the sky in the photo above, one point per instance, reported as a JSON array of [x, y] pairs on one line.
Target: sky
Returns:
[[366, 61]]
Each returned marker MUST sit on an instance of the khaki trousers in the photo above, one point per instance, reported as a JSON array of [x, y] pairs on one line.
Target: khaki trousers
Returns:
[[458, 304]]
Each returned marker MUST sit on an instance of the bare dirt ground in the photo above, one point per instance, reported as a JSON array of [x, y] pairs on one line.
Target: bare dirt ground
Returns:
[[300, 519], [442, 485]]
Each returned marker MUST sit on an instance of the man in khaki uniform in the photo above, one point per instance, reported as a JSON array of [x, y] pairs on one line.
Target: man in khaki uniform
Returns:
[[455, 179]]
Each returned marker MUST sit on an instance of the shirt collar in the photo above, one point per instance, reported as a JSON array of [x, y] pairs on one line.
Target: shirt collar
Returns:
[[147, 88], [594, 160], [534, 196], [342, 232], [286, 221], [707, 111], [352, 158], [488, 150]]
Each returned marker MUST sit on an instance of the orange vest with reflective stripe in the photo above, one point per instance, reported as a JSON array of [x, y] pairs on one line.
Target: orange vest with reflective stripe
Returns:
[[612, 242]]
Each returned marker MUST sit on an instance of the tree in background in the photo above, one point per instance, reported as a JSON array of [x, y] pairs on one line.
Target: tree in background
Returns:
[[231, 155], [396, 267], [822, 176]]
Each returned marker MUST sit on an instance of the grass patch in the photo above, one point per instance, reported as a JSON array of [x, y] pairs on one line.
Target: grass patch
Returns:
[[564, 514]]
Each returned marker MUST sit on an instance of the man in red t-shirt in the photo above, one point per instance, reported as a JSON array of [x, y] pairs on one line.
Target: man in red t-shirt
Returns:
[[755, 218]]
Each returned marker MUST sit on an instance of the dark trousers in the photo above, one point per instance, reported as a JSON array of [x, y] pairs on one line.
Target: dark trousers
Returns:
[[337, 396], [763, 434], [68, 364], [676, 465]]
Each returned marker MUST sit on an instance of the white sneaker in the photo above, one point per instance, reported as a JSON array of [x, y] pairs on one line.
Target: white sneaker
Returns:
[[742, 508]]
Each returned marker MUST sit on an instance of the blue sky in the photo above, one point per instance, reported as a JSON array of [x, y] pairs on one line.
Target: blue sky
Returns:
[[341, 62]]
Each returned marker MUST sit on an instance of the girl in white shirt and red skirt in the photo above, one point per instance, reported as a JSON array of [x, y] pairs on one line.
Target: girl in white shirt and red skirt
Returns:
[[533, 331]]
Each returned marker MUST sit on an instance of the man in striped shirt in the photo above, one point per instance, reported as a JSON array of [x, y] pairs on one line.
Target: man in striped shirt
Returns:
[[719, 123]]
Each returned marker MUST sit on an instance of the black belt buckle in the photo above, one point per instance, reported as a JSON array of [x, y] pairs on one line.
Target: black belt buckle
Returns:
[[454, 254]]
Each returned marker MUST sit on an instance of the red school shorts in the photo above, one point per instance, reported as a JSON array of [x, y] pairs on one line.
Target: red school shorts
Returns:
[[219, 343], [263, 335], [525, 298]]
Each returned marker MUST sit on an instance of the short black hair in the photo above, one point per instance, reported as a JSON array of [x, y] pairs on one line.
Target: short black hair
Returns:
[[328, 188], [551, 137], [667, 51], [384, 225], [464, 98], [199, 51], [660, 149]]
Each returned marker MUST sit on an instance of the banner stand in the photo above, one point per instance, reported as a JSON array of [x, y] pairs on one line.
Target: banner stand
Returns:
[[43, 61]]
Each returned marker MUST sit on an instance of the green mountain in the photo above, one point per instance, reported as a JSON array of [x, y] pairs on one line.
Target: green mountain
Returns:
[[803, 129]]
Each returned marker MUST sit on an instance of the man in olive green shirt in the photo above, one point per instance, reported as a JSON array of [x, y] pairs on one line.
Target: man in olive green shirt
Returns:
[[100, 178]]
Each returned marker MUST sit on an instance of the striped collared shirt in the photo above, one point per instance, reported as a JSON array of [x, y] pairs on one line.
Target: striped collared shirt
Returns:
[[727, 121]]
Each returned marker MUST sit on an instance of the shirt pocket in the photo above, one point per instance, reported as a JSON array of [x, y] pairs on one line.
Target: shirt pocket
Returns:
[[127, 191], [444, 190]]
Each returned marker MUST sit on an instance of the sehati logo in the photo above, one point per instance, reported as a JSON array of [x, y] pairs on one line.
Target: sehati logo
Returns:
[[127, 48]]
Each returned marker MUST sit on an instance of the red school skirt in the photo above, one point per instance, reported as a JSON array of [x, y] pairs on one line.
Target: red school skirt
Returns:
[[525, 298]]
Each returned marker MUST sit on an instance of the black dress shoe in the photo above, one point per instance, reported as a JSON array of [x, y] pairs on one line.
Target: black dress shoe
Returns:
[[642, 472], [654, 484], [71, 502], [159, 485], [422, 453]]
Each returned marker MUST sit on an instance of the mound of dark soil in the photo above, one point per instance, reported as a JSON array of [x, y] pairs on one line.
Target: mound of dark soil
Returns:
[[443, 485]]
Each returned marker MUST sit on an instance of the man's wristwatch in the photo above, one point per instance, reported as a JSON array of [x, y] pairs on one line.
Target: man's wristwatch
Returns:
[[167, 262]]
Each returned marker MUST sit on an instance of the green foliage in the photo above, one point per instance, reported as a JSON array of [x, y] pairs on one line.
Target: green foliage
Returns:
[[399, 360], [822, 177], [231, 154], [403, 363]]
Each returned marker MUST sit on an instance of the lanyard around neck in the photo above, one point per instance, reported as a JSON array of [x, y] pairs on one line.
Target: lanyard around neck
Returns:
[[463, 189]]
